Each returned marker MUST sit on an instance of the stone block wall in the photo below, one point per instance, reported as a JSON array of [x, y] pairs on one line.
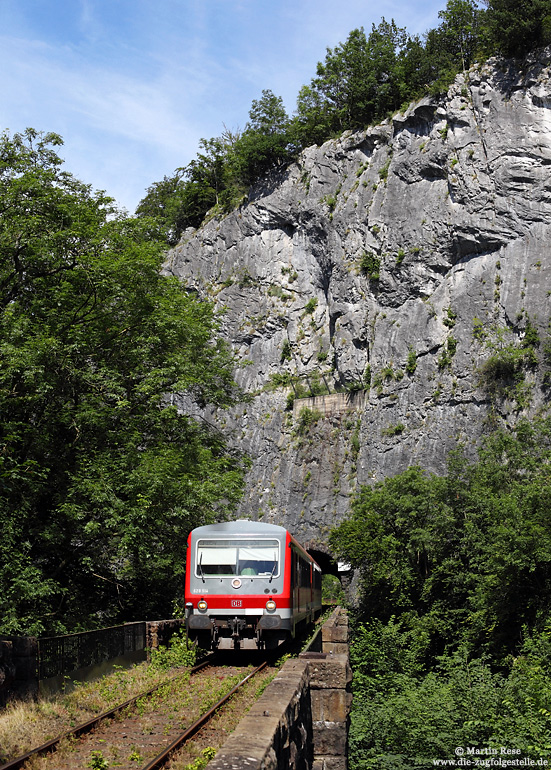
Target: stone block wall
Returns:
[[301, 720], [329, 680], [334, 633], [276, 734], [159, 632]]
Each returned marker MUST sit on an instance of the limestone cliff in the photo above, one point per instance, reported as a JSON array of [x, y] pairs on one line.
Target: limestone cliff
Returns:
[[392, 262]]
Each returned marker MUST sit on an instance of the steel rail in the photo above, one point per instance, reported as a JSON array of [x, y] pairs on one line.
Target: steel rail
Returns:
[[86, 727], [164, 756]]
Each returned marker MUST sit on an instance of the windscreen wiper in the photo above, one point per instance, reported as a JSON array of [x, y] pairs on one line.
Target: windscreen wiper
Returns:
[[273, 572], [201, 568]]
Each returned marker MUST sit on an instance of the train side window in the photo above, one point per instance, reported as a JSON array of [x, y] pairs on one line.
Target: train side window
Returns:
[[305, 575], [294, 569]]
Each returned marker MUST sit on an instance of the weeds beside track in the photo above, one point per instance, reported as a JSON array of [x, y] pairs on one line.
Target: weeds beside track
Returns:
[[147, 728]]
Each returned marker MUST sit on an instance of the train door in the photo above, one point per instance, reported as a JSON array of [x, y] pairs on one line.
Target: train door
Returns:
[[305, 587], [295, 587], [311, 593]]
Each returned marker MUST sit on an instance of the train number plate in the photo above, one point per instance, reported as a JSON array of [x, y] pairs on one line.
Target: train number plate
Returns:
[[236, 602]]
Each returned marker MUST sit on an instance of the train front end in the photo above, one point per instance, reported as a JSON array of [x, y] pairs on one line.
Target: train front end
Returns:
[[237, 589]]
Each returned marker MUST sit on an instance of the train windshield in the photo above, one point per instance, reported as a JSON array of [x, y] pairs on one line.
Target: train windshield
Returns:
[[226, 558]]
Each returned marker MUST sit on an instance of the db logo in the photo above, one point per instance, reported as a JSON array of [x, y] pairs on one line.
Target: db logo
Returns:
[[236, 603]]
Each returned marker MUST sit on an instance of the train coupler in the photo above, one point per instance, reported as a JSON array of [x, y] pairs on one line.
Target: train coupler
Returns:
[[236, 626]]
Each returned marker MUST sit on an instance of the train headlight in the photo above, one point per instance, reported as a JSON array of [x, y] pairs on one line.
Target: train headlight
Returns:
[[236, 583], [202, 606], [271, 606]]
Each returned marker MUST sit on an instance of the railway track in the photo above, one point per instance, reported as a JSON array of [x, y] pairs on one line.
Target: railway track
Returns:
[[144, 728], [162, 758]]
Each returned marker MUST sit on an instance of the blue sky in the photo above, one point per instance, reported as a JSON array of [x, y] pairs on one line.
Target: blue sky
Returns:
[[132, 85]]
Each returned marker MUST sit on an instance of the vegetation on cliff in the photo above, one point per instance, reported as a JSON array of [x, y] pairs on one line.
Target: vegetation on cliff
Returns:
[[453, 635], [102, 477], [359, 82]]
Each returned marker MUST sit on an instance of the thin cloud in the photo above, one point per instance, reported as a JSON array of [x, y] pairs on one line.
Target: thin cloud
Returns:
[[132, 86], [106, 100]]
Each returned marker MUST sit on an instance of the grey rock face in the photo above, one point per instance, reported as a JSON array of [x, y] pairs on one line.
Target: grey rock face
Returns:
[[408, 253]]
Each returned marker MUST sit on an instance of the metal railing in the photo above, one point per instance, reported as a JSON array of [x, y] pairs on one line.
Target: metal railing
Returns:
[[59, 655]]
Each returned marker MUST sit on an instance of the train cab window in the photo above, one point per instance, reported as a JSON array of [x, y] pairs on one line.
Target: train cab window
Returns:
[[226, 558]]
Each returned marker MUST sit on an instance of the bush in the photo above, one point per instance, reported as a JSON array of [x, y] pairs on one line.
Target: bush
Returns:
[[307, 418], [370, 264], [405, 716], [178, 653], [286, 351], [411, 364], [468, 552], [311, 305]]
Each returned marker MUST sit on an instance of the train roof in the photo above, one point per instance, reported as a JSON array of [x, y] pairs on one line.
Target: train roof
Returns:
[[245, 527], [240, 527]]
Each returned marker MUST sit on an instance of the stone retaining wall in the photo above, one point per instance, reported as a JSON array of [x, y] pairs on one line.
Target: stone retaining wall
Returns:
[[331, 404], [300, 722]]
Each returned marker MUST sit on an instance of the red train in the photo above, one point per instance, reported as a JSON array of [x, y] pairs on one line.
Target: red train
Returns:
[[248, 580]]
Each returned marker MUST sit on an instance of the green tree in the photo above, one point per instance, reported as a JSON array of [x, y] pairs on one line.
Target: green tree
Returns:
[[405, 715], [467, 556], [313, 122], [387, 45], [413, 70], [459, 31], [184, 199], [338, 96], [265, 142], [225, 167], [359, 81], [452, 641], [102, 475], [515, 28], [166, 202]]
